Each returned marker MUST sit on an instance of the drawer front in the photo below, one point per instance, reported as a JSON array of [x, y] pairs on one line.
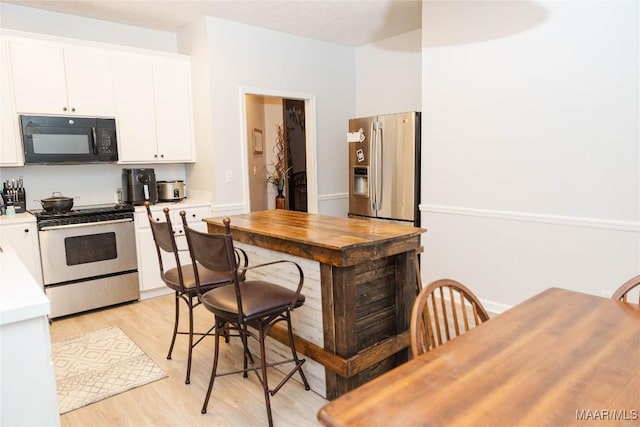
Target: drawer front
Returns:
[[194, 219], [194, 215]]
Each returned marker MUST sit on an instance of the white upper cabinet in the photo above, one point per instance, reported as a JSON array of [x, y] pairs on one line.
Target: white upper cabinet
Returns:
[[89, 82], [153, 109], [173, 109], [135, 107], [10, 146], [57, 80], [39, 79]]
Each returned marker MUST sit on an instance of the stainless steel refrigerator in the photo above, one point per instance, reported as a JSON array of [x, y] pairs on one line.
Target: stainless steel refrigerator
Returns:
[[384, 167]]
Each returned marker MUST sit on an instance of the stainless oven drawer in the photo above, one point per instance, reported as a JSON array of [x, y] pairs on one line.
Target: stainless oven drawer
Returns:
[[82, 296], [80, 251]]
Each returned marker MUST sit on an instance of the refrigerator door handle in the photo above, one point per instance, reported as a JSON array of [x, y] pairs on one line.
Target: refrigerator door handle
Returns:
[[379, 154], [372, 187]]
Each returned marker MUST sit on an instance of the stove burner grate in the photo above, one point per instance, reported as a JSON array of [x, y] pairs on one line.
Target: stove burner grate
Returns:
[[82, 215]]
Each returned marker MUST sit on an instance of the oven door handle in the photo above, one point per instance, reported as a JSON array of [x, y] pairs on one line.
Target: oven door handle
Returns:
[[86, 224]]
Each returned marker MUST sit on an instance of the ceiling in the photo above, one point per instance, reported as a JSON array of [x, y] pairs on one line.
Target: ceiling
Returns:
[[345, 22]]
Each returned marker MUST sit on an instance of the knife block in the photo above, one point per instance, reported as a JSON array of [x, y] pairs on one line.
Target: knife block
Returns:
[[17, 198]]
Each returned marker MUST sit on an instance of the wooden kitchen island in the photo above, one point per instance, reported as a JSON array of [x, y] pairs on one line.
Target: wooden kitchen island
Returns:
[[367, 285]]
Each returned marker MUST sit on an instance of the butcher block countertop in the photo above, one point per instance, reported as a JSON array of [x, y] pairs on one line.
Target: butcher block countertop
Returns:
[[331, 240]]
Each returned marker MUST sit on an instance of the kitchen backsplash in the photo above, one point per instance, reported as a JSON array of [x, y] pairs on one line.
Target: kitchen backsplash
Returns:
[[88, 184]]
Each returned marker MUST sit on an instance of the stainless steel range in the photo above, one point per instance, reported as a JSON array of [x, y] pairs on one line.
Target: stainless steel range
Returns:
[[88, 257]]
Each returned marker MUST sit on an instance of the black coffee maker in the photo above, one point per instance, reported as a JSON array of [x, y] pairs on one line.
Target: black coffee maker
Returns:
[[139, 186]]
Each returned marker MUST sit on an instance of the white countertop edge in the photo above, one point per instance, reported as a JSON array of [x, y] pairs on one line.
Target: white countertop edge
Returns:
[[27, 312], [21, 297], [181, 203], [19, 218]]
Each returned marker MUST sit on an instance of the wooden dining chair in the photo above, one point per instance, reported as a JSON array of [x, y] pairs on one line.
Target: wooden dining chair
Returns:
[[249, 308], [181, 280], [630, 286], [442, 311]]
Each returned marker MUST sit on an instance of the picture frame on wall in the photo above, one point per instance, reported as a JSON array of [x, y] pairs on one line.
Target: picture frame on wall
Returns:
[[257, 141]]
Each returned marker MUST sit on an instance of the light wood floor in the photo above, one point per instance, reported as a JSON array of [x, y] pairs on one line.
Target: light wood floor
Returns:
[[235, 401]]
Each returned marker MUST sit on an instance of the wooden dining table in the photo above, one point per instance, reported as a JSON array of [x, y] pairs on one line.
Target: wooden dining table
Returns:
[[559, 358]]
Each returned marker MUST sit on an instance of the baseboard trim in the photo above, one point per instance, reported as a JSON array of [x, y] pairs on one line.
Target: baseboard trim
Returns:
[[228, 209], [157, 292], [494, 308], [333, 196], [602, 224]]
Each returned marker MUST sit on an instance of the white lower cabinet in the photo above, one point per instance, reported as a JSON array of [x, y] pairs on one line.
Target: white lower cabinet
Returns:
[[23, 237], [148, 268]]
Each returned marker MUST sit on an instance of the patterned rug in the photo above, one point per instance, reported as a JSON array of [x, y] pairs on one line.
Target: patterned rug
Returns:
[[98, 365]]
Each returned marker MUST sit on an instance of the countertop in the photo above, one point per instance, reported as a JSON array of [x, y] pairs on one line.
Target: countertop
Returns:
[[21, 298], [19, 218], [332, 240], [174, 205]]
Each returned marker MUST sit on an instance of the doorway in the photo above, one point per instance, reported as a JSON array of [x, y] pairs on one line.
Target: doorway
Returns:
[[294, 124], [266, 117]]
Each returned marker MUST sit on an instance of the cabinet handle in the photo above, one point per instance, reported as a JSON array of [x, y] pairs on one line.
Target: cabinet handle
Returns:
[[193, 215], [162, 156], [26, 230], [73, 109], [155, 155], [64, 108]]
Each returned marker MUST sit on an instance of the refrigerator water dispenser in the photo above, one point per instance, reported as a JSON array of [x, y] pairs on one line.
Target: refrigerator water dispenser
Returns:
[[361, 181]]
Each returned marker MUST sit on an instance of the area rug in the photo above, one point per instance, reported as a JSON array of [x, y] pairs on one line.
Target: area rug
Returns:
[[98, 365]]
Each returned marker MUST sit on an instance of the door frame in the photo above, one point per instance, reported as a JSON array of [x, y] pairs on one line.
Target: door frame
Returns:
[[310, 141]]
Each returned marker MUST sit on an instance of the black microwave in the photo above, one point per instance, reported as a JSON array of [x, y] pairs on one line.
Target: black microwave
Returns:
[[48, 139]]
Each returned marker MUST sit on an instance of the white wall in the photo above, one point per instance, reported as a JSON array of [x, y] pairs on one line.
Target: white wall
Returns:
[[242, 56], [87, 184], [388, 76], [20, 18], [530, 145], [255, 120]]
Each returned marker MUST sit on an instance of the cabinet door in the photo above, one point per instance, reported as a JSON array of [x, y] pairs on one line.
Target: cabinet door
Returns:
[[173, 110], [10, 153], [38, 79], [148, 268], [24, 240], [135, 111], [89, 82]]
